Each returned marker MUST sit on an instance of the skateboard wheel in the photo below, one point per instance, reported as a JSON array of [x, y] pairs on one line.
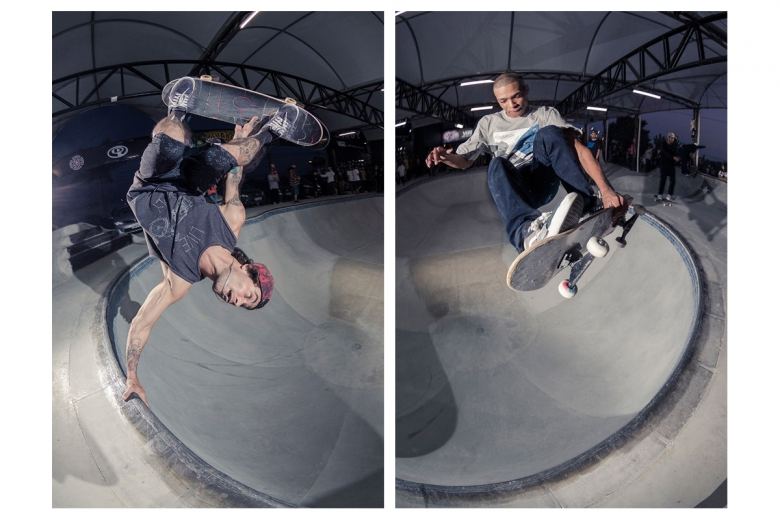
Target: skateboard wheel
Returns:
[[639, 209], [205, 77], [597, 247], [566, 290]]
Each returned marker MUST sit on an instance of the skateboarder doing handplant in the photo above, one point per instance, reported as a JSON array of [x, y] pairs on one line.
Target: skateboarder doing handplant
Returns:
[[192, 238], [534, 152]]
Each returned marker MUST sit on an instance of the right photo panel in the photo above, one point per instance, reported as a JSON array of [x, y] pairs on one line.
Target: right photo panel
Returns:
[[561, 259]]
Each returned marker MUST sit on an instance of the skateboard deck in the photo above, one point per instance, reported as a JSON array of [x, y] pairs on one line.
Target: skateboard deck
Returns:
[[535, 267], [238, 106]]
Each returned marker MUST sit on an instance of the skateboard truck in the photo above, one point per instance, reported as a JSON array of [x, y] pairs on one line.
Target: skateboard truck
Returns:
[[627, 225], [597, 248]]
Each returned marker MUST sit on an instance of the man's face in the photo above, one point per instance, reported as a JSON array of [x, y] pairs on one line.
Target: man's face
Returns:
[[670, 139], [593, 136], [512, 98], [237, 288]]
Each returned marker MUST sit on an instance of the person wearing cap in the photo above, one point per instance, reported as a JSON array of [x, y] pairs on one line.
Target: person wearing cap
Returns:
[[669, 158], [594, 145], [193, 239], [534, 152]]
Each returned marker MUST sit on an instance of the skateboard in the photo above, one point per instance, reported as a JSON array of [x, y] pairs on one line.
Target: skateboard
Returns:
[[575, 248], [665, 202], [235, 105]]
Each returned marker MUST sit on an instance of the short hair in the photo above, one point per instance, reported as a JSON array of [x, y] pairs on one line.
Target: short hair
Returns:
[[507, 79]]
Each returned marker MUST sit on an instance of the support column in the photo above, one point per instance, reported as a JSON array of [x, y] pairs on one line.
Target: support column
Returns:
[[638, 139], [696, 135]]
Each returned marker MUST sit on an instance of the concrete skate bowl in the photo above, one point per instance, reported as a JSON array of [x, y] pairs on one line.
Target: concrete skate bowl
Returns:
[[688, 189], [284, 403], [498, 391]]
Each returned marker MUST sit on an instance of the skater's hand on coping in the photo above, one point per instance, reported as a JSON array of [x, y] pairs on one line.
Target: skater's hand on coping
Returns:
[[243, 131], [436, 156], [134, 387]]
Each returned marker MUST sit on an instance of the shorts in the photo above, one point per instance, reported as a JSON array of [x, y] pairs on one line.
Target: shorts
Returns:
[[197, 169], [295, 189]]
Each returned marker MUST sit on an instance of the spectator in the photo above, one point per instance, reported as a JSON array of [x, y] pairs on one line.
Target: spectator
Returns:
[[354, 179], [594, 145], [647, 159], [378, 178], [669, 158], [330, 177], [632, 155], [686, 153], [722, 172], [401, 170], [295, 181], [273, 184]]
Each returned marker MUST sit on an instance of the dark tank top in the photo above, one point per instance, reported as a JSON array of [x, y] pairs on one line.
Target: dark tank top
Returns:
[[179, 227]]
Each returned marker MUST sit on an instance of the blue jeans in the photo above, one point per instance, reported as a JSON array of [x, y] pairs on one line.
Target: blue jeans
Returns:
[[520, 192]]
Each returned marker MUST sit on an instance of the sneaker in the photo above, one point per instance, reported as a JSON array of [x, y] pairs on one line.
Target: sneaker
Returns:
[[668, 198], [658, 198], [283, 123], [179, 97], [565, 217]]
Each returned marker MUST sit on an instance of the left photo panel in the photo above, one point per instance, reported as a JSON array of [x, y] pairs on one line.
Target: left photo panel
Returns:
[[218, 259]]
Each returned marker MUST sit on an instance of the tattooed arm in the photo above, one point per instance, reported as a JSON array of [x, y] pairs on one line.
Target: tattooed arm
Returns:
[[170, 290], [233, 210]]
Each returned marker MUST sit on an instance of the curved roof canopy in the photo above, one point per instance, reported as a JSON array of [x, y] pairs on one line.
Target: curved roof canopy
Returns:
[[571, 60], [330, 61]]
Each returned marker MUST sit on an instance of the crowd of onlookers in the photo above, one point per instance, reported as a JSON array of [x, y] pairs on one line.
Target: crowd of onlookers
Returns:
[[346, 178]]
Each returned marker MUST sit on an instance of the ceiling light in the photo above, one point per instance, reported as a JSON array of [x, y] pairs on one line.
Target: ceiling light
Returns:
[[476, 82], [399, 12], [348, 133], [647, 94], [400, 124], [597, 108], [481, 108], [459, 125], [248, 19]]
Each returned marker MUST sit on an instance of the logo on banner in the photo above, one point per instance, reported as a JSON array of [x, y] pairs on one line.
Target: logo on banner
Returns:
[[117, 151], [76, 162]]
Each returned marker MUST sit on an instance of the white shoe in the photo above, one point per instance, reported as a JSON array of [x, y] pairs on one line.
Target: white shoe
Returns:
[[283, 123], [566, 216], [179, 97]]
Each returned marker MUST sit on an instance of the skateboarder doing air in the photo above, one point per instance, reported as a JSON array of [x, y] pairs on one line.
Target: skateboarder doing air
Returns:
[[192, 238], [534, 152]]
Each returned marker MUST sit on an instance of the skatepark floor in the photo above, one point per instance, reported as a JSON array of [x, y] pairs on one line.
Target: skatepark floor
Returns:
[[281, 407], [493, 386]]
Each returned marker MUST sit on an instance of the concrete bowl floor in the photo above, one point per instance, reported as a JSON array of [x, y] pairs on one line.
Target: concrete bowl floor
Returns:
[[287, 401], [501, 390]]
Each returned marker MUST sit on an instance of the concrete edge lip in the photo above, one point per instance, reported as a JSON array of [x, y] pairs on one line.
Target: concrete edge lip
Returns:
[[172, 454], [642, 421]]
